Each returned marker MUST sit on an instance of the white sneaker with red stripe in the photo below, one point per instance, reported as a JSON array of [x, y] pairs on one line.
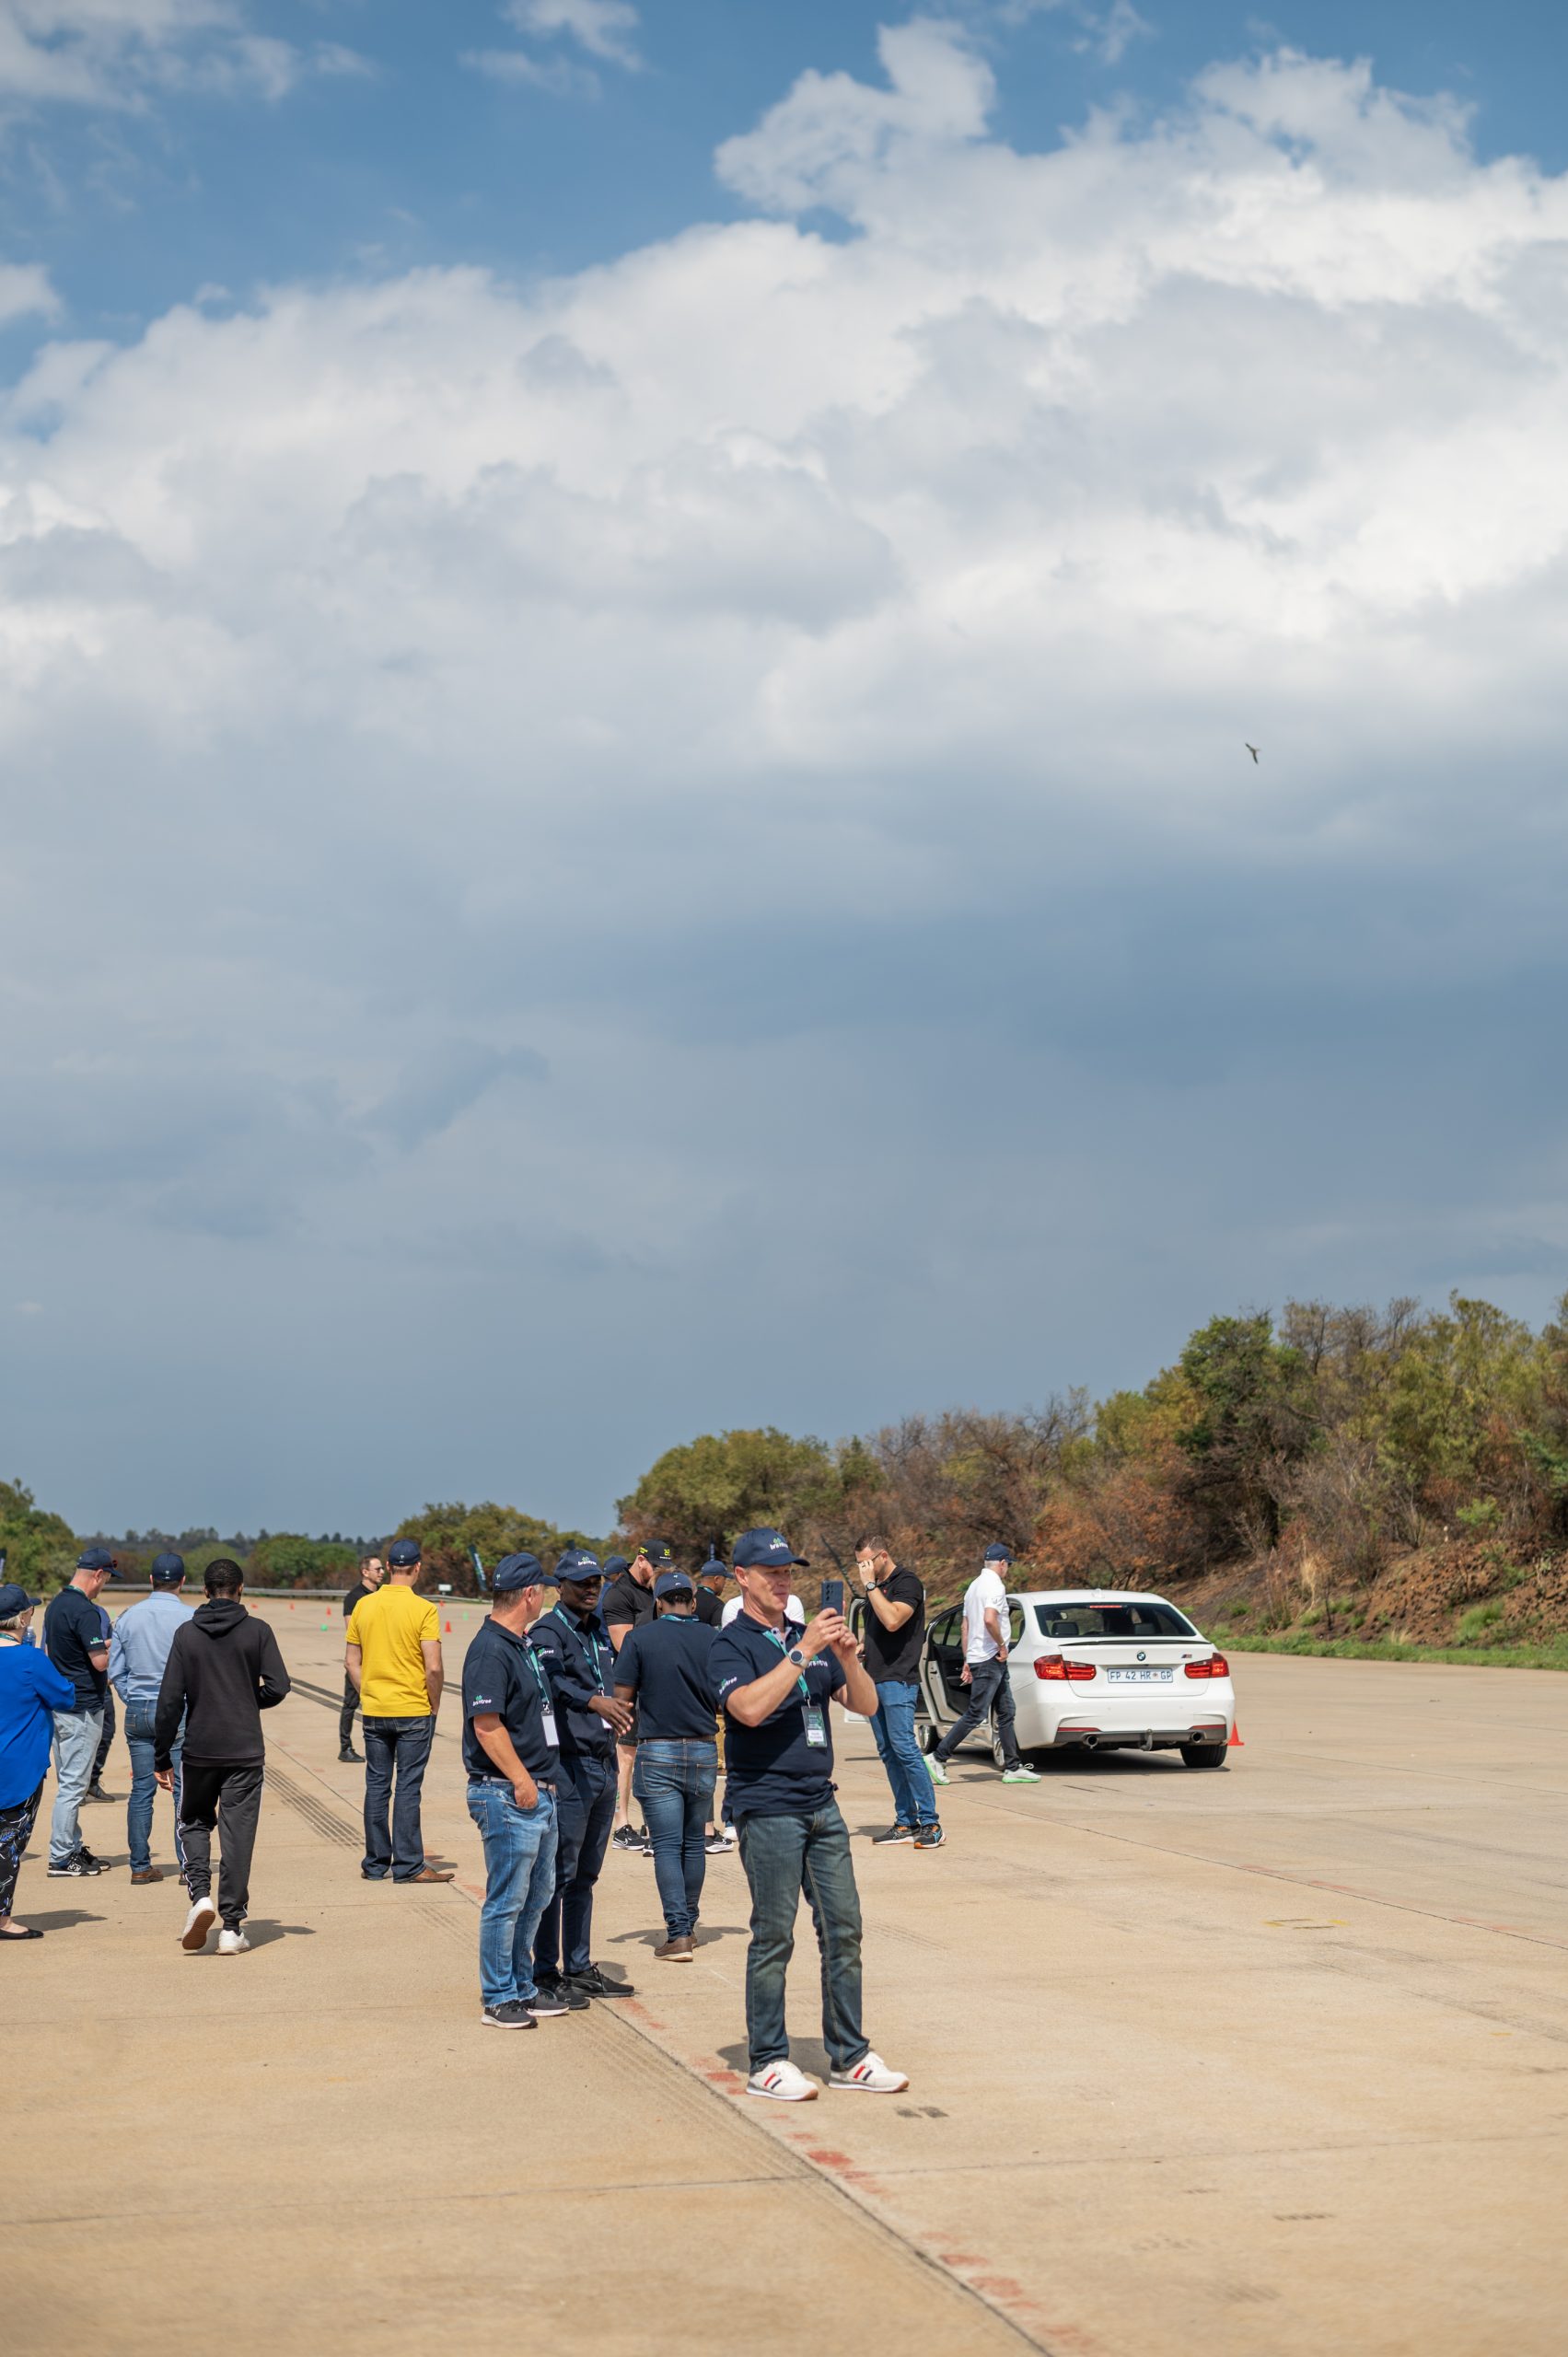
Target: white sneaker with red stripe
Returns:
[[872, 2076], [783, 2082]]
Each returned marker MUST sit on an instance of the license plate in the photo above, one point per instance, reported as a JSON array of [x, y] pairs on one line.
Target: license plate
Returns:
[[1140, 1676]]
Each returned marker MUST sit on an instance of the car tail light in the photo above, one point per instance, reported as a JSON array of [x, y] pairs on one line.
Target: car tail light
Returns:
[[1055, 1666], [1216, 1667]]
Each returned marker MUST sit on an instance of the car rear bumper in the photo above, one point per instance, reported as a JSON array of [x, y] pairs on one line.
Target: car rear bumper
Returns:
[[1097, 1738]]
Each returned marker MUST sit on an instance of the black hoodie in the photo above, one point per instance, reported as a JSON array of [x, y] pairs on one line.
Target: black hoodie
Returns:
[[224, 1670]]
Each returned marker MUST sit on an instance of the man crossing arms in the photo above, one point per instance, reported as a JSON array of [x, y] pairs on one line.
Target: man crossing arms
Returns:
[[393, 1658], [573, 1645], [138, 1656]]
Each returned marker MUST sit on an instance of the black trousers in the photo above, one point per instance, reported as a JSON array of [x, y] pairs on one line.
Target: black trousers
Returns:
[[16, 1831], [346, 1716], [108, 1736], [225, 1794], [992, 1689], [585, 1811]]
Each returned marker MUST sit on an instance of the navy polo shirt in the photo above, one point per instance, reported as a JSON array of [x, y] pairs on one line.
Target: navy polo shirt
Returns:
[[499, 1676], [773, 1771], [71, 1627], [579, 1662], [666, 1663]]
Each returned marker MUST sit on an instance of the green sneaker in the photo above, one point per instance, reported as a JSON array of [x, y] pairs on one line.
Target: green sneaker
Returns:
[[1020, 1775], [938, 1773]]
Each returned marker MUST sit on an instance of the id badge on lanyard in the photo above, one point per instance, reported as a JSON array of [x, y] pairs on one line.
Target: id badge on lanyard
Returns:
[[546, 1705], [816, 1726]]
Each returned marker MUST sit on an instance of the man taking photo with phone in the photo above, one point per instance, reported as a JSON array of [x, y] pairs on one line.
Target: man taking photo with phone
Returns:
[[774, 1680], [895, 1633]]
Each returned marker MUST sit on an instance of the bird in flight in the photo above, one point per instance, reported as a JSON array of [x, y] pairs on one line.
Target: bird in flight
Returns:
[[1252, 749]]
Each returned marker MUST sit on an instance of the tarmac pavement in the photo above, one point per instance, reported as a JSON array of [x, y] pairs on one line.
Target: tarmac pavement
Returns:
[[1274, 2060]]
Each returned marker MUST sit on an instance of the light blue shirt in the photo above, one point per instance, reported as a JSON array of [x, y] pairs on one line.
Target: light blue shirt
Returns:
[[144, 1635]]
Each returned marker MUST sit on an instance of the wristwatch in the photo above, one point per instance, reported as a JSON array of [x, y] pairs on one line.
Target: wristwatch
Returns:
[[798, 1657]]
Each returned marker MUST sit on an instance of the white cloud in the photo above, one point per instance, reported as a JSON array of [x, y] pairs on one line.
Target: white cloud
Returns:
[[118, 54], [605, 30], [540, 778]]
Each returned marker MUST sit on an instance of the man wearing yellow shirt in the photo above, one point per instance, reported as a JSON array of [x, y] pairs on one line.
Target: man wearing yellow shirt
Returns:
[[394, 1659]]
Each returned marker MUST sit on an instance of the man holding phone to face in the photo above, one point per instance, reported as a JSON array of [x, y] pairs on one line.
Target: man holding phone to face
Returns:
[[774, 1680], [894, 1631]]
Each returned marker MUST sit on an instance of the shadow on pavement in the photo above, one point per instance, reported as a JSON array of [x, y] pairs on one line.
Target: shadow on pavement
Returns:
[[261, 1933], [807, 2054], [61, 1919]]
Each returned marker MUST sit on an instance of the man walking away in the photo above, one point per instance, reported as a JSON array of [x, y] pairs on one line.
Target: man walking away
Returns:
[[895, 1633], [74, 1641], [224, 1670], [662, 1670], [573, 1643], [774, 1680], [985, 1672], [393, 1660], [628, 1604], [510, 1750], [138, 1656], [372, 1572], [32, 1691]]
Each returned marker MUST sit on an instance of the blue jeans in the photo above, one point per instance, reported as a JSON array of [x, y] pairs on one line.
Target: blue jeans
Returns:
[[519, 1874], [893, 1727], [75, 1748], [585, 1811], [675, 1781], [139, 1717], [784, 1856], [405, 1742]]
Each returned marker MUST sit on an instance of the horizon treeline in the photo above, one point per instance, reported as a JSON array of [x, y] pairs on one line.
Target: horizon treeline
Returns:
[[1329, 1439]]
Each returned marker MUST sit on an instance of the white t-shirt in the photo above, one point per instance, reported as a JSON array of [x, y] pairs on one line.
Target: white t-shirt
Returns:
[[984, 1593], [794, 1610]]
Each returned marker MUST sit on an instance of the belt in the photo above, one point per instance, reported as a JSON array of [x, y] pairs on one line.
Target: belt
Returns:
[[545, 1783]]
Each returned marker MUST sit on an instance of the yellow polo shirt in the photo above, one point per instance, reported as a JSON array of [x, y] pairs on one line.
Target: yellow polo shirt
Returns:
[[388, 1628]]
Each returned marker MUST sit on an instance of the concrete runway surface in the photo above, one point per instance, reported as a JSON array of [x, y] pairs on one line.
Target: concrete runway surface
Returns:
[[1203, 2066]]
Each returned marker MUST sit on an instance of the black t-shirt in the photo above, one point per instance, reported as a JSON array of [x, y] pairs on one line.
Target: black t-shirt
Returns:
[[502, 1674], [773, 1771], [357, 1594], [710, 1608], [666, 1663], [71, 1624], [623, 1600], [894, 1654]]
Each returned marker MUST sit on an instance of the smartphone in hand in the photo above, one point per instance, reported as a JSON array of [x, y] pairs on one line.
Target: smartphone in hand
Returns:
[[831, 1596]]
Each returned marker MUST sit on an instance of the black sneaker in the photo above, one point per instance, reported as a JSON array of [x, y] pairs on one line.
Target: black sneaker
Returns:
[[513, 2014], [75, 1870], [348, 1753], [592, 1983], [94, 1792], [894, 1833], [549, 2004], [930, 1837], [99, 1866], [625, 1840], [564, 1993]]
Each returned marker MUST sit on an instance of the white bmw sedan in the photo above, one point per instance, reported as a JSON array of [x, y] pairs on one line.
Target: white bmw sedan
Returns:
[[1098, 1668]]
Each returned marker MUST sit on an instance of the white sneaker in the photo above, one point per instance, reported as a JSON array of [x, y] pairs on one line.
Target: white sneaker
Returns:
[[1020, 1775], [938, 1773], [872, 2076], [198, 1923], [233, 1943], [783, 2082]]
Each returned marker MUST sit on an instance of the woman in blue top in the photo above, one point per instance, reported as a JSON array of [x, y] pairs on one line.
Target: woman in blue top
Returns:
[[32, 1691]]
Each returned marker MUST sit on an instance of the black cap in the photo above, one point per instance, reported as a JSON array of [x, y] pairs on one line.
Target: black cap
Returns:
[[98, 1558], [659, 1552]]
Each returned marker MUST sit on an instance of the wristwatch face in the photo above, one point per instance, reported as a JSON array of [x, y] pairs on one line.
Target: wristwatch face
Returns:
[[796, 1655]]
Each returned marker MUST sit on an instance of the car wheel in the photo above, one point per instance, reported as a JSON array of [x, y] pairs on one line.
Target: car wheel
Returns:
[[927, 1735], [1204, 1755], [997, 1753]]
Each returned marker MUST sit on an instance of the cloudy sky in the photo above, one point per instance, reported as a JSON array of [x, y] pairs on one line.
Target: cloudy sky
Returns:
[[628, 634]]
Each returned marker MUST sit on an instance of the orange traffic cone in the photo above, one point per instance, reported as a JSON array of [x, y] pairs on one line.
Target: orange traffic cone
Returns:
[[448, 1627], [1235, 1743]]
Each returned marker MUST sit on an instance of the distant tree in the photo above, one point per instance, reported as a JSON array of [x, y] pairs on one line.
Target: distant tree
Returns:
[[288, 1559], [40, 1547], [446, 1532], [709, 1490]]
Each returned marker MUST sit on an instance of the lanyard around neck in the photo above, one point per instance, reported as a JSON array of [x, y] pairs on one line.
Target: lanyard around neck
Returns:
[[774, 1638], [588, 1641]]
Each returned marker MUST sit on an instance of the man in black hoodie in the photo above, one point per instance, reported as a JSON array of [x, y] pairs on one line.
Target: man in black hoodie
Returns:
[[224, 1670]]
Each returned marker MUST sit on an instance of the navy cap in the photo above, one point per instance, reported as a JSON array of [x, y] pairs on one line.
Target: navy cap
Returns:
[[514, 1572], [714, 1569], [615, 1564], [997, 1553], [673, 1584], [167, 1570], [659, 1551], [14, 1599], [577, 1563], [98, 1558], [768, 1549], [403, 1553]]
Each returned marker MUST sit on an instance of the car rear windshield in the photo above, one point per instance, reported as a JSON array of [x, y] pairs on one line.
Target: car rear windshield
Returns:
[[1102, 1621]]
